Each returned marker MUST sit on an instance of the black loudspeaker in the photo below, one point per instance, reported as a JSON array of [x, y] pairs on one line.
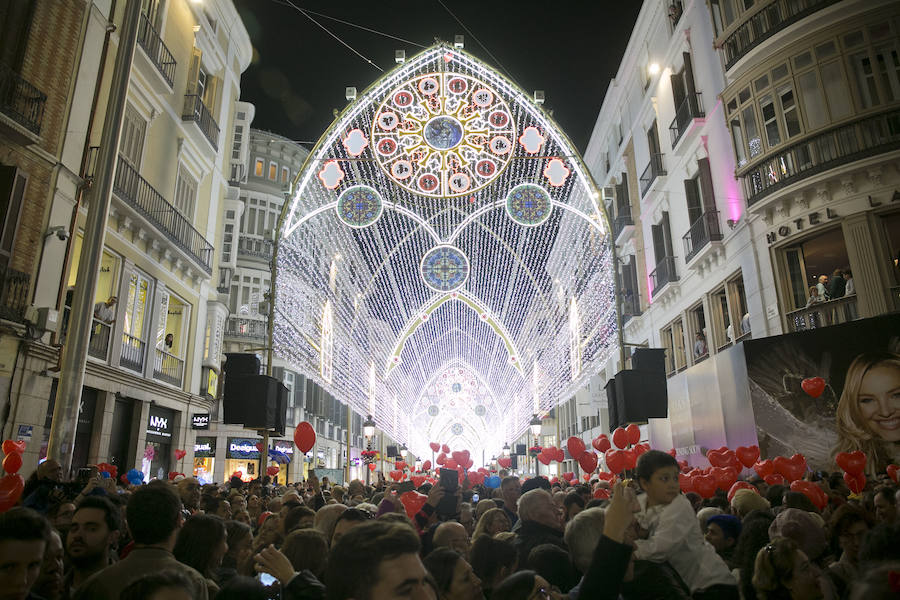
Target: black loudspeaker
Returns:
[[391, 451], [255, 401], [241, 364], [521, 450], [514, 461], [649, 359], [639, 396], [611, 405]]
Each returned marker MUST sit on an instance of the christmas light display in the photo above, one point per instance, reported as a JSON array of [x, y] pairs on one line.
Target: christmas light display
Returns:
[[444, 258]]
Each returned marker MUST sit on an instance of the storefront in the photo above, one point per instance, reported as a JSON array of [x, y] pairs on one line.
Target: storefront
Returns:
[[205, 459], [242, 456], [156, 460], [284, 470]]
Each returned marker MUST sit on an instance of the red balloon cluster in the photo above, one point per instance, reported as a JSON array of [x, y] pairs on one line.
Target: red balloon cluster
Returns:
[[12, 484], [811, 491], [587, 459], [434, 446], [550, 454], [854, 466]]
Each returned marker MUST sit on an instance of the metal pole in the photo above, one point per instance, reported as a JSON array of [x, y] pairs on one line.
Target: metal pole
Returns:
[[74, 354]]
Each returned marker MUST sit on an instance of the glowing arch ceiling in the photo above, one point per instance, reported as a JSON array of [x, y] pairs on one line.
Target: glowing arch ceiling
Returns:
[[444, 181]]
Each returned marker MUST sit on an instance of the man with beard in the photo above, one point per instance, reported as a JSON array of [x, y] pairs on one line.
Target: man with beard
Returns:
[[92, 537]]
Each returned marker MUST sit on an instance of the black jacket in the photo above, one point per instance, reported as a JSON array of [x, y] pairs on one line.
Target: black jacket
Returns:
[[531, 534]]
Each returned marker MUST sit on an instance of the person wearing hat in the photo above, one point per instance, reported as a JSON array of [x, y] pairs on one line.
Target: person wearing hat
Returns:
[[722, 532], [745, 501]]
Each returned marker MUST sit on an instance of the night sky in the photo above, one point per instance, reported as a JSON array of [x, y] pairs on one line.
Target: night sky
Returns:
[[299, 72]]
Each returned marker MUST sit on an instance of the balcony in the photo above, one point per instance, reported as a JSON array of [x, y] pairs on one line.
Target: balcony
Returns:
[[21, 101], [245, 328], [631, 306], [13, 294], [654, 169], [132, 356], [702, 232], [196, 111], [823, 314], [134, 190], [98, 346], [690, 108], [168, 368], [621, 222], [828, 149], [663, 274], [158, 53], [255, 248], [766, 22]]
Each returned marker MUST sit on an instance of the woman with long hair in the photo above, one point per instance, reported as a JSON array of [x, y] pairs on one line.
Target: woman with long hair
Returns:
[[491, 522], [201, 544], [868, 413]]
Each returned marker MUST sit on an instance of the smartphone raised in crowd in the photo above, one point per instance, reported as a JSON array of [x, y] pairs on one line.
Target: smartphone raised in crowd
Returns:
[[449, 481], [406, 486]]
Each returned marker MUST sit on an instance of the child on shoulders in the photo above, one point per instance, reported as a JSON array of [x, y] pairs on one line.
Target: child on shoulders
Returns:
[[674, 532]]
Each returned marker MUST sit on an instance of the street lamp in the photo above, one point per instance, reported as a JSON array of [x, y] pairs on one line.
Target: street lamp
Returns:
[[506, 449], [535, 427], [368, 432], [369, 427]]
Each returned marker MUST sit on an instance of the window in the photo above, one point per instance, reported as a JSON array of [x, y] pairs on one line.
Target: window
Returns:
[[285, 174], [273, 171], [864, 76], [697, 333], [789, 110], [131, 142], [139, 293], [753, 140], [13, 183], [174, 322], [813, 101], [185, 193], [804, 261], [770, 121], [722, 330], [889, 71], [836, 91], [673, 341], [258, 169]]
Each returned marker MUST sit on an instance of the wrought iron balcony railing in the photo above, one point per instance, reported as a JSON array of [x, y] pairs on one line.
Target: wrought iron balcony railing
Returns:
[[138, 193], [840, 145], [690, 108], [823, 314], [168, 367], [158, 53], [653, 170], [196, 111], [20, 100], [246, 328], [621, 222], [765, 23], [13, 294], [663, 274], [703, 231], [132, 356], [255, 248]]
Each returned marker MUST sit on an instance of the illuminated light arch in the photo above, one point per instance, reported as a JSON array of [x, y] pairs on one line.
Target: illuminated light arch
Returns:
[[483, 313], [326, 345], [379, 291]]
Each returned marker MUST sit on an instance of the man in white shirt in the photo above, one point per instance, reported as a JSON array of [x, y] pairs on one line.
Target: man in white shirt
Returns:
[[106, 311]]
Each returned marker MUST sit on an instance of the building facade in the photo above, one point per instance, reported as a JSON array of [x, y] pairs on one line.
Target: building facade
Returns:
[[154, 355], [779, 166]]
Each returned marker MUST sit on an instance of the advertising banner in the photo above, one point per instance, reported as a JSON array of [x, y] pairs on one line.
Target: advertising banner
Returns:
[[828, 390]]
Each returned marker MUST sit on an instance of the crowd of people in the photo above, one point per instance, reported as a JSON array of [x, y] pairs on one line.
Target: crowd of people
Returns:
[[525, 540]]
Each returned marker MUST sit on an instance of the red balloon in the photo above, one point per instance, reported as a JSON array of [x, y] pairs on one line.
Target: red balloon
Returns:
[[12, 463], [601, 494], [441, 459], [476, 478], [418, 480], [445, 449], [814, 386], [371, 466], [748, 455], [892, 471], [11, 446], [740, 485], [764, 468], [426, 466], [630, 458], [634, 434], [396, 475], [413, 502], [544, 458], [856, 483], [587, 476], [305, 437], [672, 452], [724, 476], [851, 462], [400, 464], [774, 479], [606, 476], [616, 460], [505, 462], [435, 446], [601, 443], [620, 438], [640, 449], [792, 468], [179, 454], [685, 482], [576, 446], [450, 464], [811, 491], [272, 471], [259, 446], [569, 475], [11, 487], [705, 485], [588, 462], [237, 474]]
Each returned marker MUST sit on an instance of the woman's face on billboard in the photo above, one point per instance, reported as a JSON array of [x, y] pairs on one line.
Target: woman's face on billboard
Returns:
[[879, 401]]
